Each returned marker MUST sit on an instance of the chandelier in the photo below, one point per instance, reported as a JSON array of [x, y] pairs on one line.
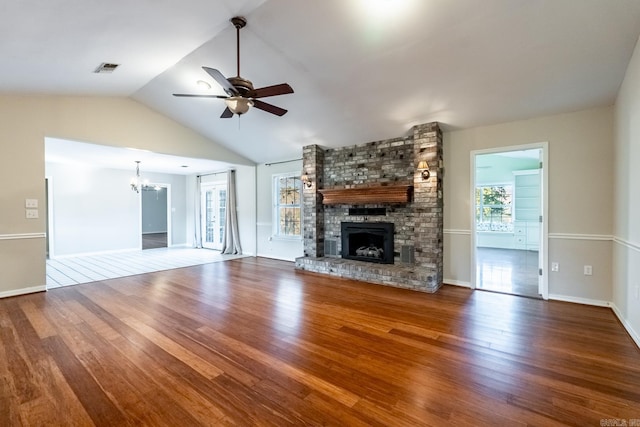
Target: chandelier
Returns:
[[136, 181]]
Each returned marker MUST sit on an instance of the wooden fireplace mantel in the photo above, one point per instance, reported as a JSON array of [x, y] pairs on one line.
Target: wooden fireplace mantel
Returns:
[[367, 195]]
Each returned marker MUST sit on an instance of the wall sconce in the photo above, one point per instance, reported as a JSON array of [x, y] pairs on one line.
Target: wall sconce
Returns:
[[424, 168], [306, 180]]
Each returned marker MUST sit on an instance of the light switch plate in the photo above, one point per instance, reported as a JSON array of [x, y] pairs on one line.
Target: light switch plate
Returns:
[[31, 203]]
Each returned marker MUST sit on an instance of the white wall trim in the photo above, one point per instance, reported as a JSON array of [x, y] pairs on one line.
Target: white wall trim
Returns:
[[634, 335], [262, 255], [457, 231], [564, 236], [22, 236], [578, 300], [456, 283], [627, 243], [23, 291], [571, 236], [50, 220]]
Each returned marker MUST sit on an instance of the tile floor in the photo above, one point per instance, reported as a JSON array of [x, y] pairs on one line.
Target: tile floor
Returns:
[[507, 270], [84, 269]]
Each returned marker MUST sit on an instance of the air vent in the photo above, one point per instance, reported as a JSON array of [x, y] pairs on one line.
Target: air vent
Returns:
[[331, 247], [106, 67]]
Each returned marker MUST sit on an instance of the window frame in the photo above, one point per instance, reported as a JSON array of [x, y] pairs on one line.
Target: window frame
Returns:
[[275, 199]]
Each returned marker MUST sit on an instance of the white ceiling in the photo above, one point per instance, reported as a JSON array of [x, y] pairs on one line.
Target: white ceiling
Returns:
[[76, 153], [362, 70]]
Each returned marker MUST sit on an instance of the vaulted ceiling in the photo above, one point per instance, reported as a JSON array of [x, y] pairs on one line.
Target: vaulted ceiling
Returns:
[[362, 70]]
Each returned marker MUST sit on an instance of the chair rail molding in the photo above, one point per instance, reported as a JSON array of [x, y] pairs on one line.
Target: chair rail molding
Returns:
[[627, 243], [22, 236]]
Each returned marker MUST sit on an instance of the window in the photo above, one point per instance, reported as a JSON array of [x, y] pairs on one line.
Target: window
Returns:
[[494, 208], [287, 205]]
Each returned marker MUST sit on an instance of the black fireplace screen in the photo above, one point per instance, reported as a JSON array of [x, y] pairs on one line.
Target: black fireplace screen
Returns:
[[368, 241]]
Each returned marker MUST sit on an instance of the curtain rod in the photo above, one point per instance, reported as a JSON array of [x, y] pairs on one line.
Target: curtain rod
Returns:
[[284, 161], [215, 173]]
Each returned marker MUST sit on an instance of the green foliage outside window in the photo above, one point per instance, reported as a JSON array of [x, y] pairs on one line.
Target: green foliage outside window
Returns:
[[494, 204]]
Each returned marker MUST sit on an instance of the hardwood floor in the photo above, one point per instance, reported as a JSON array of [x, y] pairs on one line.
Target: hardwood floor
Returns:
[[254, 342], [154, 240], [509, 271]]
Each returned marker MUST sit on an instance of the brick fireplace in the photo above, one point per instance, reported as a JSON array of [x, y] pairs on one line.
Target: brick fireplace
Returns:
[[370, 183]]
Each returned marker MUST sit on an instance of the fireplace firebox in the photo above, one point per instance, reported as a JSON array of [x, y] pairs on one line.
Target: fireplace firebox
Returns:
[[367, 241]]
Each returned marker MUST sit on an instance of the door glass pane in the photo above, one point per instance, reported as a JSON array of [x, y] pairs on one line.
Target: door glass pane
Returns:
[[210, 216], [222, 210]]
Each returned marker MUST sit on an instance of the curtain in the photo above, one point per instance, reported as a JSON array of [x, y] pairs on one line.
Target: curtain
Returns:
[[231, 238], [197, 214]]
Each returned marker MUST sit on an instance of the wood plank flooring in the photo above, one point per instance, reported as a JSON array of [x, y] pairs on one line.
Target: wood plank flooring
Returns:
[[253, 342], [154, 240], [509, 271]]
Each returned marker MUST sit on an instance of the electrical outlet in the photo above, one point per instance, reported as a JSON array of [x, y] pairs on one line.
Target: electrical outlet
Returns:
[[555, 266], [31, 203], [31, 213], [588, 270]]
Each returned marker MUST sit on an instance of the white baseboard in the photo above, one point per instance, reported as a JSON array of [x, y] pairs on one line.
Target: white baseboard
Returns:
[[578, 300], [182, 245], [456, 283], [23, 291], [634, 335], [263, 255]]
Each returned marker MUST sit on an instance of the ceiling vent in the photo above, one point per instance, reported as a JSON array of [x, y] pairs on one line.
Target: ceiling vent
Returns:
[[106, 67]]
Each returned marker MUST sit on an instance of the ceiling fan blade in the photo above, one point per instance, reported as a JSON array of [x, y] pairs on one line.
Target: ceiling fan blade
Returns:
[[263, 92], [226, 114], [188, 95], [222, 81], [261, 105]]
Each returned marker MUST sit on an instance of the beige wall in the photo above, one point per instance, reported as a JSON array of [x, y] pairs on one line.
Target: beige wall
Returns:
[[24, 123], [626, 253], [580, 198], [268, 246]]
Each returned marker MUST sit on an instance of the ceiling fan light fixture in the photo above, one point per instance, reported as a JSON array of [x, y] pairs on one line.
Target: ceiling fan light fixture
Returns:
[[203, 85], [238, 104]]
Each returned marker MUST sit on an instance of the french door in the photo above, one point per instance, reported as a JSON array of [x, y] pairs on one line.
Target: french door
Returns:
[[213, 203]]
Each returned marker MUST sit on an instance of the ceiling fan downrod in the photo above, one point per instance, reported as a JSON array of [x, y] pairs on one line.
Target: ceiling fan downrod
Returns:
[[238, 22]]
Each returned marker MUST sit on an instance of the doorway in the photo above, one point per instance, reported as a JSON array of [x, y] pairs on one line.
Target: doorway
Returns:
[[155, 216], [509, 226], [48, 185], [213, 213]]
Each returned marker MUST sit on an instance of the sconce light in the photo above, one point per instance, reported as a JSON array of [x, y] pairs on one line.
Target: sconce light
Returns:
[[424, 167], [306, 180]]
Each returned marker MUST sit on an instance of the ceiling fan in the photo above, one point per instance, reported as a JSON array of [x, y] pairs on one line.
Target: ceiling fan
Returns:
[[240, 92]]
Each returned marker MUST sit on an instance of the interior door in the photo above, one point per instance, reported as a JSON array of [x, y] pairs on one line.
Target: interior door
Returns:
[[214, 198]]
